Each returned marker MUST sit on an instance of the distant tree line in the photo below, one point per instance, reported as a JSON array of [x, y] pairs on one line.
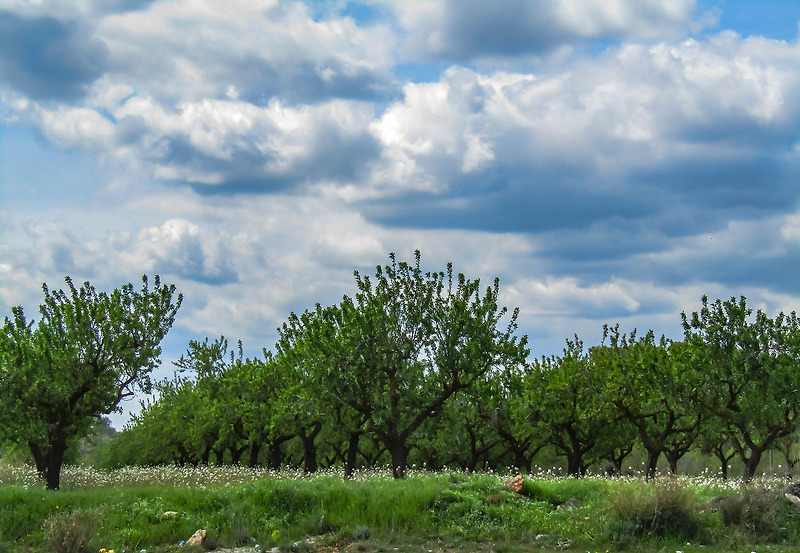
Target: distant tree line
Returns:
[[416, 368]]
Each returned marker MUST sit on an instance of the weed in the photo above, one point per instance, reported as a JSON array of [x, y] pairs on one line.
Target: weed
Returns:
[[240, 529], [663, 510], [758, 515], [69, 532]]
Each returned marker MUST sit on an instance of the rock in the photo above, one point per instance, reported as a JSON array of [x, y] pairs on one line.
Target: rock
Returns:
[[572, 503], [793, 489], [793, 499], [515, 483], [197, 538]]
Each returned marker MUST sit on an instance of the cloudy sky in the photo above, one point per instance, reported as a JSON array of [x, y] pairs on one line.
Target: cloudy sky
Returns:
[[610, 160]]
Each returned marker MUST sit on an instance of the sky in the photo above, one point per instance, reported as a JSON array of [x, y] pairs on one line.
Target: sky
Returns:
[[611, 161]]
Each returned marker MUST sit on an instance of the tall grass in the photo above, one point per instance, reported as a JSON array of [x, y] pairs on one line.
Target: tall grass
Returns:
[[135, 509]]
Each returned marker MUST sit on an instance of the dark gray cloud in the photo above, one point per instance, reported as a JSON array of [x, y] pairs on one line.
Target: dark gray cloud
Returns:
[[46, 58], [463, 31], [331, 154], [506, 27], [513, 199], [259, 81]]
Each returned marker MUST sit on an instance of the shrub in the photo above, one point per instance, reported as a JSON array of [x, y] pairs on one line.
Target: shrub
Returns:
[[362, 532], [758, 515], [69, 532], [663, 510]]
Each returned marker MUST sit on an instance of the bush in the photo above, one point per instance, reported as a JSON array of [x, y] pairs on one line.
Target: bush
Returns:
[[758, 515], [70, 532], [663, 510]]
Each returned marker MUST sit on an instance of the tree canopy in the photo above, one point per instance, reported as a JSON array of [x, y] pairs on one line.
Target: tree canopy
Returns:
[[88, 351]]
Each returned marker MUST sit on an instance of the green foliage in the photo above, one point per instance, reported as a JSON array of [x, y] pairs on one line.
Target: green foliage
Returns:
[[563, 402], [558, 492], [747, 373], [394, 355], [644, 381], [88, 351], [361, 532]]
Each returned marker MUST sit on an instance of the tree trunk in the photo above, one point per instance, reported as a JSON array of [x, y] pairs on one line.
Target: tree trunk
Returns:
[[220, 456], [236, 454], [275, 456], [54, 461], [40, 458], [751, 464], [652, 463], [399, 453], [352, 454], [573, 464], [723, 469], [255, 449], [673, 465], [522, 461], [309, 453]]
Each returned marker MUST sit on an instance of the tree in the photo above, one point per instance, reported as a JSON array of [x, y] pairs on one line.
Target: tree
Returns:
[[746, 372], [403, 346], [646, 384], [562, 396], [88, 352]]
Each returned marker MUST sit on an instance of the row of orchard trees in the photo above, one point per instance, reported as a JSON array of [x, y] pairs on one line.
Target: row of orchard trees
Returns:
[[416, 367], [426, 368], [365, 378]]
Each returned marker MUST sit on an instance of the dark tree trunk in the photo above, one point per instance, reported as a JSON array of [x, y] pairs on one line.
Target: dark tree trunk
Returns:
[[673, 464], [54, 461], [236, 454], [573, 464], [206, 455], [183, 456], [40, 458], [275, 456], [652, 463], [352, 454], [220, 456], [255, 449], [399, 452], [618, 457], [309, 454], [310, 447], [751, 464]]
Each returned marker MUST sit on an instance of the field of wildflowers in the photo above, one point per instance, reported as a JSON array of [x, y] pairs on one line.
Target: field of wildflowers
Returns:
[[155, 508]]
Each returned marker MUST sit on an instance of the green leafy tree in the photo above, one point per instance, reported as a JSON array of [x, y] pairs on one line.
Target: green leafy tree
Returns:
[[403, 346], [647, 385], [511, 418], [746, 373], [89, 351], [561, 393]]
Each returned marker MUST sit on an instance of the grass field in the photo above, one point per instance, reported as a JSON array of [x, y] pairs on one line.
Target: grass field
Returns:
[[155, 509]]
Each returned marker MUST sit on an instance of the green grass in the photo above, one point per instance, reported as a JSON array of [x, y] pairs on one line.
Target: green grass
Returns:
[[155, 509]]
